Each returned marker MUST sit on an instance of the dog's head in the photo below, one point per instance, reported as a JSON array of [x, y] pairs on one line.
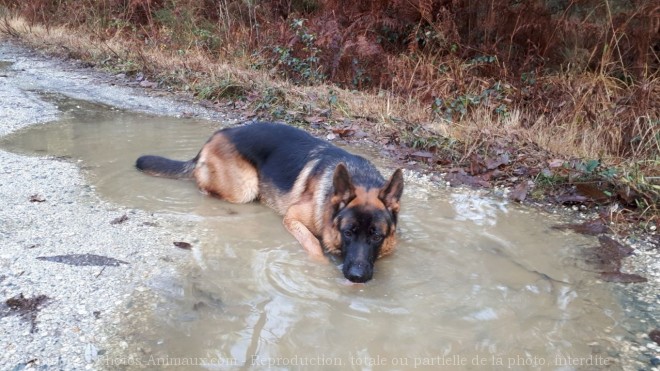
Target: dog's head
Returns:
[[364, 222]]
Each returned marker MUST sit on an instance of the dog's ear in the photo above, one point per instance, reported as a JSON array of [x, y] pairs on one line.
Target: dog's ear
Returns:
[[391, 192], [344, 191]]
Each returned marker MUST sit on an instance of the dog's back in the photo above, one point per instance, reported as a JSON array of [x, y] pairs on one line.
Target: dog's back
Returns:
[[277, 155]]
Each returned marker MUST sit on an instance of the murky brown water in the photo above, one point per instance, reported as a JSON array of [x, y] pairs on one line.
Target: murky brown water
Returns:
[[475, 284]]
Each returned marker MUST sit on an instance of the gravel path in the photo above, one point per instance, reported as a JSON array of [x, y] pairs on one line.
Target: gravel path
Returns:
[[49, 210]]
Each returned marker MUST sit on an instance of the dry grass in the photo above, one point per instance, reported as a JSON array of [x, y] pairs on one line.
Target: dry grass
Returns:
[[561, 129], [195, 68], [577, 123], [574, 114]]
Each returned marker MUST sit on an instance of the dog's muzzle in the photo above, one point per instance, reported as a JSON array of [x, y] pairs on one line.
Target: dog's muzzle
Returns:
[[358, 272]]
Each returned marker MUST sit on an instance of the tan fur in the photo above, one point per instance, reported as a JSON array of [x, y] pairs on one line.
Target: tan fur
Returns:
[[301, 217], [367, 197], [389, 244], [221, 171], [294, 221], [330, 235], [281, 202]]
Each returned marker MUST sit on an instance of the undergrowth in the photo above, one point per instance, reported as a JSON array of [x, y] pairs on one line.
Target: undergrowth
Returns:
[[578, 80]]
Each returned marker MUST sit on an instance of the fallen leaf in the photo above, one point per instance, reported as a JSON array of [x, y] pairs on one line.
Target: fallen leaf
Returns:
[[591, 191], [590, 228], [571, 199], [520, 171], [148, 84], [182, 245], [20, 303], [627, 195], [615, 247], [314, 119], [37, 198], [422, 154], [494, 163], [519, 193], [601, 260], [622, 277], [457, 179], [555, 163], [655, 336], [607, 256], [26, 308], [493, 174], [343, 132], [83, 260], [119, 220], [476, 165]]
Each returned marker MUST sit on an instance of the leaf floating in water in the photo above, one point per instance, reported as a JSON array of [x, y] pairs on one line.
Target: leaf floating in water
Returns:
[[182, 245], [622, 277], [84, 260], [608, 255], [590, 228], [37, 198], [119, 220], [615, 247]]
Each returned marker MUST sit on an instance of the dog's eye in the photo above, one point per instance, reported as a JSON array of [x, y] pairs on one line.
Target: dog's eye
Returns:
[[348, 233], [376, 237]]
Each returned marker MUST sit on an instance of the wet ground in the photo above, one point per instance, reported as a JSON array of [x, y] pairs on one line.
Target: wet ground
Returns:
[[473, 278], [476, 282]]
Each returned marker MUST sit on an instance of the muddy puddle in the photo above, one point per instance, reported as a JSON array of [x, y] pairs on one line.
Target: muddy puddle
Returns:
[[475, 283]]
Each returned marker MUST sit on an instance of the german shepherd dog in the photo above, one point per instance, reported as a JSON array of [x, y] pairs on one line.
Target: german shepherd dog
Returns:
[[328, 197]]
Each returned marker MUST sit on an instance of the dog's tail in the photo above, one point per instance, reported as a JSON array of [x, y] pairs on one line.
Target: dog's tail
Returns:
[[161, 166]]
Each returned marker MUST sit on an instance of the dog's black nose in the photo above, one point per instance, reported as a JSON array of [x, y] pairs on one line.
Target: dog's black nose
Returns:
[[359, 272]]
